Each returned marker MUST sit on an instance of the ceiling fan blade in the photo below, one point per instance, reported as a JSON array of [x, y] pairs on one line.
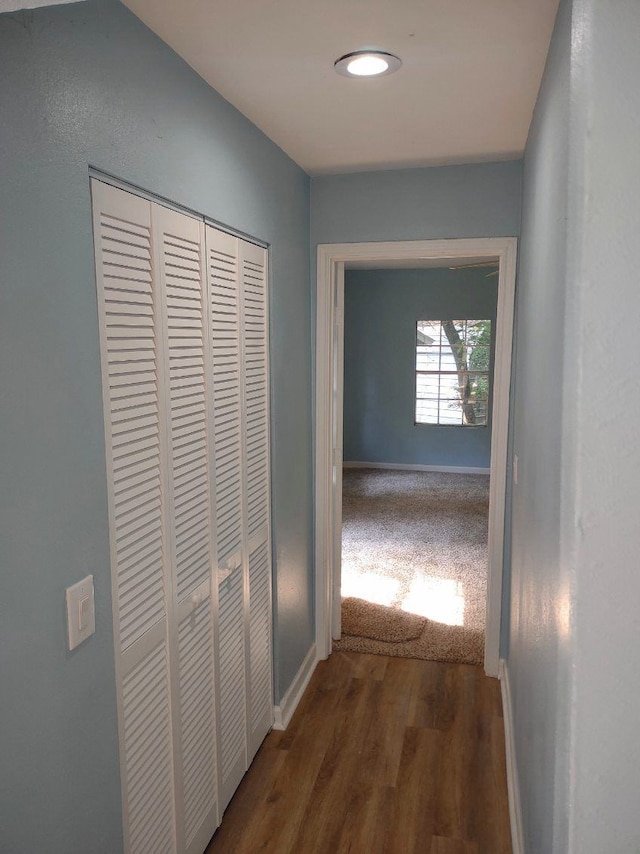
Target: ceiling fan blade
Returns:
[[477, 264]]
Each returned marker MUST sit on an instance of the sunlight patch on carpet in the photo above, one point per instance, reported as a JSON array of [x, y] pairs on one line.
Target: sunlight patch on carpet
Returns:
[[370, 586], [437, 599], [416, 543]]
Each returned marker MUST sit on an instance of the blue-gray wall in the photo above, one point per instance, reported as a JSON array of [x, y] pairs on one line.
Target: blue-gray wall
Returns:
[[381, 308], [603, 305], [478, 200], [89, 84], [539, 652], [574, 657]]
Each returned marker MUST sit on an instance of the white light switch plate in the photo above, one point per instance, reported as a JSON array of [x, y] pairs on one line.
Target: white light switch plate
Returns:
[[81, 613]]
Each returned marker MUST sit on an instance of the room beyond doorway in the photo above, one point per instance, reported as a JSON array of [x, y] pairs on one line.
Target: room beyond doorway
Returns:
[[332, 259], [414, 564]]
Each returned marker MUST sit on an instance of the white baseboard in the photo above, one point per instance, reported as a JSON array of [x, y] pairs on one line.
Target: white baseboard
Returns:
[[417, 467], [513, 781], [283, 713]]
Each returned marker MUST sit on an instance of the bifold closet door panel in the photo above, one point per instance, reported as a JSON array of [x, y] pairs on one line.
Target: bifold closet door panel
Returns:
[[256, 486], [151, 277], [226, 359], [184, 345], [135, 435], [179, 246]]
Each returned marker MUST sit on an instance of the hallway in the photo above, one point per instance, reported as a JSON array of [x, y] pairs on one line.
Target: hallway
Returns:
[[383, 756]]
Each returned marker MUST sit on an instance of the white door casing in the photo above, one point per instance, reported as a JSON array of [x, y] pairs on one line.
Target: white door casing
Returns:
[[336, 441], [331, 261]]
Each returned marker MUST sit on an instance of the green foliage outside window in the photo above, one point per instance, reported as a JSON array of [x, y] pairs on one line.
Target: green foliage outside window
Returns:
[[452, 372]]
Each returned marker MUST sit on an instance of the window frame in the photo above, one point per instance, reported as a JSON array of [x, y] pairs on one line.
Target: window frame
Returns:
[[439, 373]]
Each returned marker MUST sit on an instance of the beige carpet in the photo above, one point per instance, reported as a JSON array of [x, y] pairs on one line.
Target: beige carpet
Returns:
[[414, 564], [378, 622]]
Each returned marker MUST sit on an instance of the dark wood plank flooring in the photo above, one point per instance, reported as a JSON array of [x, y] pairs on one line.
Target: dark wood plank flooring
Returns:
[[383, 756]]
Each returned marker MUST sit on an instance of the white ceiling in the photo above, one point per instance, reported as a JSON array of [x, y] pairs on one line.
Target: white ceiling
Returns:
[[465, 93]]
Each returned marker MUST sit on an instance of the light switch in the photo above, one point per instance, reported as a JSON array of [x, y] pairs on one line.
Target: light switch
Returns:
[[84, 613], [81, 614]]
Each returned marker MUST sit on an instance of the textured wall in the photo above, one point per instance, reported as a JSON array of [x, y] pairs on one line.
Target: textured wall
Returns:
[[479, 200], [89, 84], [381, 310], [539, 651], [574, 656], [603, 537]]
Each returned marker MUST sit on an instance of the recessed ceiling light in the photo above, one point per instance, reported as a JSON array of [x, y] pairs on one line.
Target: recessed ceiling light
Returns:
[[367, 63]]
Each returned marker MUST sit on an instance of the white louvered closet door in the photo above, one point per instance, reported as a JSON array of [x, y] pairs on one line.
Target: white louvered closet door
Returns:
[[136, 453], [226, 355], [238, 312], [152, 302], [179, 246], [183, 331], [253, 262]]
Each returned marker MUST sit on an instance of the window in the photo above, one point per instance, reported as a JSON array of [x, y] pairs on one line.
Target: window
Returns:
[[452, 372]]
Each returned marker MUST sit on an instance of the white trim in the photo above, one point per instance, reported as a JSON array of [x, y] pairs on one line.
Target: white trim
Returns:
[[357, 464], [337, 442], [513, 784], [330, 256], [324, 538], [283, 712]]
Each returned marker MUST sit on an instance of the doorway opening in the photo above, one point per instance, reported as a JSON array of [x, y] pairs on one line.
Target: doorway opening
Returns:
[[332, 260], [417, 433]]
